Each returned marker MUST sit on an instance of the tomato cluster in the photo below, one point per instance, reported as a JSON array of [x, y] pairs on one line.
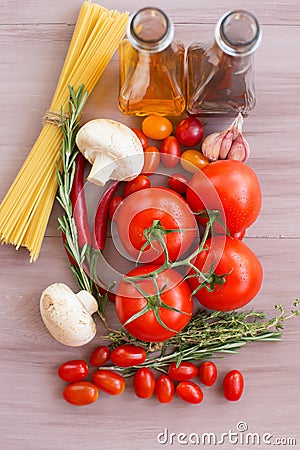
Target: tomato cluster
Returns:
[[81, 392], [157, 224]]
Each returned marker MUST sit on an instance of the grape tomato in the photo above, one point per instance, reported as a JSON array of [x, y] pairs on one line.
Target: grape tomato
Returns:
[[137, 184], [80, 393], [208, 373], [170, 152], [142, 137], [144, 383], [128, 355], [151, 160], [189, 392], [109, 381], [74, 370], [100, 356], [178, 183]]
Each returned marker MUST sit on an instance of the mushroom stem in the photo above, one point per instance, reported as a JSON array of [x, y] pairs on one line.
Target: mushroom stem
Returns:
[[103, 167], [88, 301]]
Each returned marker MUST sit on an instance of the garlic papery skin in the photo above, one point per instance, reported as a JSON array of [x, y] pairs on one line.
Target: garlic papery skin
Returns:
[[228, 144]]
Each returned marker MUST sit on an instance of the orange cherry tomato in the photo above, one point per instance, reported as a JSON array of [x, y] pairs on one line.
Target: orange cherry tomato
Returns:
[[157, 127], [108, 381], [142, 137], [80, 393], [138, 183], [151, 159], [193, 160]]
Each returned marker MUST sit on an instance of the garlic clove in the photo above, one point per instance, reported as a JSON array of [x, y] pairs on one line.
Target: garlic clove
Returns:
[[240, 149], [226, 144], [211, 146]]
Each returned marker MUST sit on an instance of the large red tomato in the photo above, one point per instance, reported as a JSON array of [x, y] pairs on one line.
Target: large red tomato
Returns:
[[238, 190], [159, 322], [137, 214], [244, 271]]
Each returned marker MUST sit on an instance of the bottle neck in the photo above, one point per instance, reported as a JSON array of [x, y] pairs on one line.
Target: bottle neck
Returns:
[[238, 33], [150, 30]]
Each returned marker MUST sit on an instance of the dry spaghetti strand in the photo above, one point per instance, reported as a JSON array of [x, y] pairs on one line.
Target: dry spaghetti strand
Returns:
[[25, 210]]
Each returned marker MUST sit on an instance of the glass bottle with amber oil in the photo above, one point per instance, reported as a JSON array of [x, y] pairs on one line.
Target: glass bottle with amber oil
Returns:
[[220, 76], [151, 66]]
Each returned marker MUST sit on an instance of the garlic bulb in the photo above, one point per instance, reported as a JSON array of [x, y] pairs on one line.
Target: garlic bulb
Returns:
[[229, 144]]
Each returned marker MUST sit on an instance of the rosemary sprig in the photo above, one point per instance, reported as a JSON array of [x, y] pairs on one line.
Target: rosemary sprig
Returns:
[[207, 334], [70, 126]]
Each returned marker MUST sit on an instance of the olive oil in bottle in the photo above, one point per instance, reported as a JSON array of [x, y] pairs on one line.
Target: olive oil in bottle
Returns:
[[151, 66]]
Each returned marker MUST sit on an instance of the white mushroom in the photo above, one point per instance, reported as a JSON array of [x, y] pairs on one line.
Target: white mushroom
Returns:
[[113, 148], [68, 316]]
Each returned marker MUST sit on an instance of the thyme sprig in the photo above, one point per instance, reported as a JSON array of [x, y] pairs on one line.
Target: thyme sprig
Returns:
[[207, 334]]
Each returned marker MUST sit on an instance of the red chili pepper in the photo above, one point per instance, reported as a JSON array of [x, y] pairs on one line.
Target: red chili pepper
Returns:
[[100, 222], [78, 203], [71, 259]]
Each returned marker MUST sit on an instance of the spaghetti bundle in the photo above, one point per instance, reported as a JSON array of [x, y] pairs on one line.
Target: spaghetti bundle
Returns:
[[25, 210]]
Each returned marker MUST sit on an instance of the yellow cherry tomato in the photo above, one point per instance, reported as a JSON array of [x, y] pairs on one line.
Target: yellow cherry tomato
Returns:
[[193, 160], [157, 127]]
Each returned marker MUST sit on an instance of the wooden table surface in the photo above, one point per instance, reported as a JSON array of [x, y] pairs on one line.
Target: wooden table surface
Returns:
[[34, 39]]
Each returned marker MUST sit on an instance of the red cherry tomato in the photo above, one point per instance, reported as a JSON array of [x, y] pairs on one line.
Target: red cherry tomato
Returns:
[[80, 393], [239, 234], [165, 389], [74, 370], [178, 183], [144, 383], [233, 385], [151, 160], [189, 392], [157, 127], [108, 381], [128, 355], [170, 152], [137, 184], [184, 372], [208, 373], [116, 201], [100, 356], [142, 137], [189, 132]]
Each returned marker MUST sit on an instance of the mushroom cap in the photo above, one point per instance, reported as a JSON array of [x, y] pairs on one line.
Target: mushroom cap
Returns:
[[65, 315], [116, 142]]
